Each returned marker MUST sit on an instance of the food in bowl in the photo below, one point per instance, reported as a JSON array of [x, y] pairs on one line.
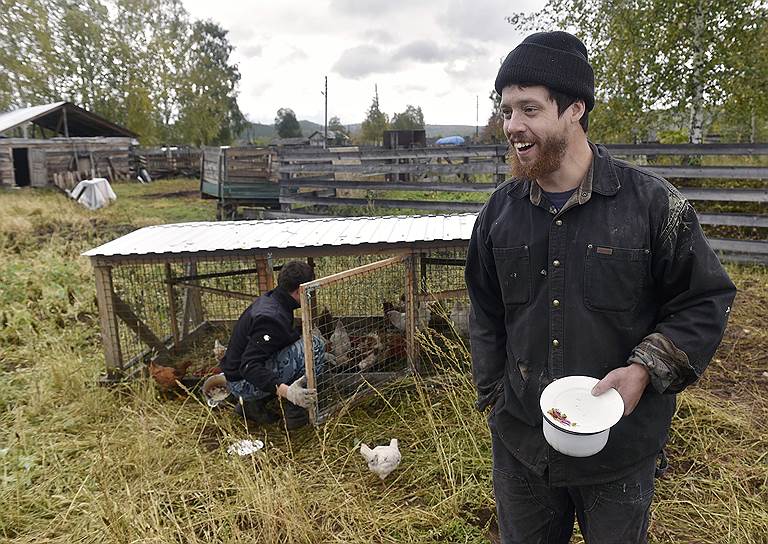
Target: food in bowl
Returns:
[[561, 417], [568, 400]]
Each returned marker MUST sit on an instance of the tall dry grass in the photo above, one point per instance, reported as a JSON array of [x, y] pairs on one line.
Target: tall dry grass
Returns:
[[84, 463]]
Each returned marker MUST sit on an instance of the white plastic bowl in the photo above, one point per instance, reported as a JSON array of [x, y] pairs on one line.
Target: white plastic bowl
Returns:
[[589, 418], [215, 389]]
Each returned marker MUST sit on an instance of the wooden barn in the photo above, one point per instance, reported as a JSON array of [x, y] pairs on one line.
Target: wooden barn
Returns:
[[61, 144]]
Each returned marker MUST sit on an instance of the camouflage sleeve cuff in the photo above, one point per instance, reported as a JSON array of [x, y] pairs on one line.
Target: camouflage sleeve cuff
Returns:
[[668, 366]]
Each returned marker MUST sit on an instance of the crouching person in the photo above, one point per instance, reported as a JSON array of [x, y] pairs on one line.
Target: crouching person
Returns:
[[265, 355]]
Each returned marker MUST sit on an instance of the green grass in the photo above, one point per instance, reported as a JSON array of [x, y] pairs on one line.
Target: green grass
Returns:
[[84, 463]]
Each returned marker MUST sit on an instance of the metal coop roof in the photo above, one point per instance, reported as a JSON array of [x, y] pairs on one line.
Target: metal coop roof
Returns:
[[79, 122], [206, 237]]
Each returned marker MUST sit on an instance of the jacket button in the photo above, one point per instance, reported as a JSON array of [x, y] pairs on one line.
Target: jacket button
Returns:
[[559, 222], [555, 263], [555, 342], [555, 303]]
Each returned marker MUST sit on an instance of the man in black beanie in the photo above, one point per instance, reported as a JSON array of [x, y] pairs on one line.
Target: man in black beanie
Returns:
[[582, 265]]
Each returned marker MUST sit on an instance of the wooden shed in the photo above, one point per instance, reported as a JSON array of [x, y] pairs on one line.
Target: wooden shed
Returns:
[[379, 279], [61, 144]]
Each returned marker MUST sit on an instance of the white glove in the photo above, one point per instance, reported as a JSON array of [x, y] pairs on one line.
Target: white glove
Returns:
[[299, 395]]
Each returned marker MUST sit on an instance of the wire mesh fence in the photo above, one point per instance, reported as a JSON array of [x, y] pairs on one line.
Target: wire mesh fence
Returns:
[[363, 318], [157, 305]]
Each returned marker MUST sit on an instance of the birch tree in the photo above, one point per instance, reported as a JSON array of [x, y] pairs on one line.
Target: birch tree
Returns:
[[682, 56]]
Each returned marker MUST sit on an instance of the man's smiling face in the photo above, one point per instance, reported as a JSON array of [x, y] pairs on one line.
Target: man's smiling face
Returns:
[[537, 136]]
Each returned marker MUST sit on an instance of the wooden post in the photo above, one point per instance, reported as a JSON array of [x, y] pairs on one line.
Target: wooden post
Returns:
[[264, 271], [305, 296], [410, 311], [172, 309], [108, 320], [192, 309]]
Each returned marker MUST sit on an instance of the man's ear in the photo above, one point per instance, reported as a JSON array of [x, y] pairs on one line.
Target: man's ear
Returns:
[[577, 110]]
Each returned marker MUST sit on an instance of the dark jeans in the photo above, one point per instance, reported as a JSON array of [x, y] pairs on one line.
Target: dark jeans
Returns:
[[531, 512]]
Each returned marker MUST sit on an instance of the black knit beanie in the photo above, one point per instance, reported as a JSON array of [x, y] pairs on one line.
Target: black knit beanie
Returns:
[[557, 60]]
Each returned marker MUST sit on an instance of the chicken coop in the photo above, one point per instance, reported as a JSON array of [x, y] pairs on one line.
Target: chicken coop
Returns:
[[166, 293]]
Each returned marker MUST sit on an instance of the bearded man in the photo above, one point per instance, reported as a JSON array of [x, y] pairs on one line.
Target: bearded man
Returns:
[[582, 265]]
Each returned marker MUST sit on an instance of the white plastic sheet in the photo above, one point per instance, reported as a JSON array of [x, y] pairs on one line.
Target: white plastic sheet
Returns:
[[93, 193]]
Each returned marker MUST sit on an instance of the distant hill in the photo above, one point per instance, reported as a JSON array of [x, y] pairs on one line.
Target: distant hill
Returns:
[[435, 130], [259, 130]]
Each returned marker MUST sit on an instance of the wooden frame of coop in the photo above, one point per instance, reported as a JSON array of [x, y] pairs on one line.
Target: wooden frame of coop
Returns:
[[162, 289]]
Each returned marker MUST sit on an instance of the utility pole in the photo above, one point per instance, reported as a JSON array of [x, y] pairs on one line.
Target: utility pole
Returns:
[[325, 93], [477, 116]]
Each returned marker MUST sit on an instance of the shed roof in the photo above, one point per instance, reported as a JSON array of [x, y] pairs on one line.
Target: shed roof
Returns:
[[51, 116], [265, 235]]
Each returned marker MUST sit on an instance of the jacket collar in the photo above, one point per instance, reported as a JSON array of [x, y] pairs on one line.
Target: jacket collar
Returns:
[[604, 180], [284, 298]]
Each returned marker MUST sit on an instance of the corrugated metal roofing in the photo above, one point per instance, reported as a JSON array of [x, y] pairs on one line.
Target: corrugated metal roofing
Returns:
[[80, 122], [288, 234], [12, 119]]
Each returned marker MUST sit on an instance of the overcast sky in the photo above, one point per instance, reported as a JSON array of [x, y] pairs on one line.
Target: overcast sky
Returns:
[[435, 54]]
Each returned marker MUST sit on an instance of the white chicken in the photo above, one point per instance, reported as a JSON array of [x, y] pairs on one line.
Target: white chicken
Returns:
[[397, 319], [340, 343], [218, 350], [423, 315], [382, 460], [460, 318]]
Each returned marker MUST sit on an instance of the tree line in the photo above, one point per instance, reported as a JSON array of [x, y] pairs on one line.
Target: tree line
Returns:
[[144, 64], [372, 129]]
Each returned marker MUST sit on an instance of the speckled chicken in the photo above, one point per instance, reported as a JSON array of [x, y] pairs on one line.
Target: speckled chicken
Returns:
[[460, 318], [382, 460]]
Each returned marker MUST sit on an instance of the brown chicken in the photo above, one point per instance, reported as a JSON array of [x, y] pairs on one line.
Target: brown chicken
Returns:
[[167, 376]]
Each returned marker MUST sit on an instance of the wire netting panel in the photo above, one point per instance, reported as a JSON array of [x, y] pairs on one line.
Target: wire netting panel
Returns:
[[443, 287], [362, 320], [158, 304]]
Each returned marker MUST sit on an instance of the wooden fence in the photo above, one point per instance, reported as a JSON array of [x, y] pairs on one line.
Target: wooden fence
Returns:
[[162, 162], [313, 179]]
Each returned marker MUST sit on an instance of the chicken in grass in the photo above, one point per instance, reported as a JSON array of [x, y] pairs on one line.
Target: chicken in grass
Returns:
[[167, 376], [382, 460]]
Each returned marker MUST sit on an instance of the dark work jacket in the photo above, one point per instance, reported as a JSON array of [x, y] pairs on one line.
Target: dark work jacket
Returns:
[[573, 292], [262, 330]]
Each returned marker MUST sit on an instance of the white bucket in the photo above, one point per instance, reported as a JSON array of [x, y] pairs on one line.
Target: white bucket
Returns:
[[575, 422]]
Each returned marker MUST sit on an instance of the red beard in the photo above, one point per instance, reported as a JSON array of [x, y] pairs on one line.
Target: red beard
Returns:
[[550, 155]]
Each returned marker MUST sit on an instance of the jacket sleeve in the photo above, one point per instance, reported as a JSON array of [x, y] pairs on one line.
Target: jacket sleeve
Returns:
[[486, 319], [264, 341], [696, 296]]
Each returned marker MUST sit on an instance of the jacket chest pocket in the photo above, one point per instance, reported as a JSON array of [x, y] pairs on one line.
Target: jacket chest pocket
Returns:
[[513, 268], [614, 277]]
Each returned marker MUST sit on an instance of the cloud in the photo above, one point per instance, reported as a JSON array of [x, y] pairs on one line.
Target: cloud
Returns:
[[377, 36], [295, 55], [363, 60], [367, 8], [250, 51], [483, 21], [422, 51]]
